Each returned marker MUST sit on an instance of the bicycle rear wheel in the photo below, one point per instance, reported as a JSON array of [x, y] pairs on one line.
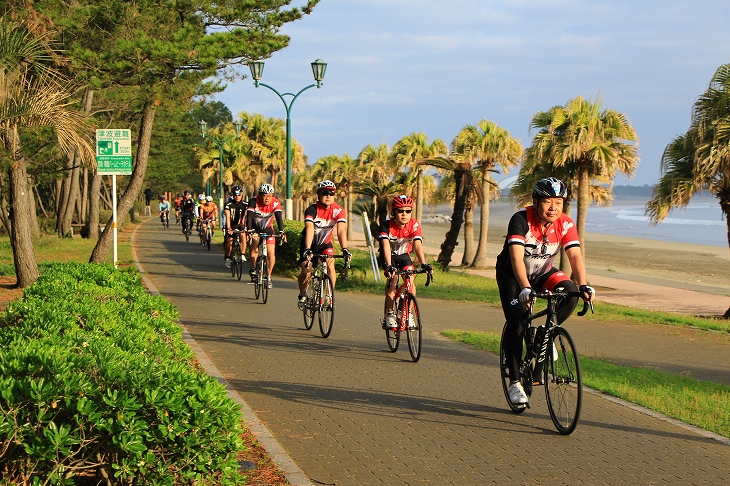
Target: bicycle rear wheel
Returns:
[[262, 265], [239, 263], [392, 336], [563, 383], [326, 306], [309, 306], [504, 371], [414, 328]]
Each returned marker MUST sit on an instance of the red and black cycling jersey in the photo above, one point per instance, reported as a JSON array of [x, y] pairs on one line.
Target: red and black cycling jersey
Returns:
[[325, 221], [541, 245], [237, 212], [401, 238], [260, 216]]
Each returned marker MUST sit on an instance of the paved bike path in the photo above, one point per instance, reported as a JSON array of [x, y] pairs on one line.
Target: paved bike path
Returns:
[[347, 411]]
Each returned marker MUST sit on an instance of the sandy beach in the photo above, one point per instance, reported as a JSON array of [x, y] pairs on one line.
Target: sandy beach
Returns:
[[626, 270]]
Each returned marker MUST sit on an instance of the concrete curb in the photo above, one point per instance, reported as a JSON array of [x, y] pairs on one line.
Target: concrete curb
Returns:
[[294, 475]]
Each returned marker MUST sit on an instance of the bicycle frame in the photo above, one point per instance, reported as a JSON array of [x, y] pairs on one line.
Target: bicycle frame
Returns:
[[405, 288]]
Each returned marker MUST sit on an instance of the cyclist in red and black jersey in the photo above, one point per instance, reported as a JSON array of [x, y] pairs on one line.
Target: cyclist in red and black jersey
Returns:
[[187, 209], [260, 215], [535, 235], [235, 213], [398, 237], [321, 220]]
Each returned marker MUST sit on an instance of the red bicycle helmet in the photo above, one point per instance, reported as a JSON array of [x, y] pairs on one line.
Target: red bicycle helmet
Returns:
[[402, 201]]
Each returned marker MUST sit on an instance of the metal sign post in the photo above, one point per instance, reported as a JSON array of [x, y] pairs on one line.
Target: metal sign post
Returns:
[[114, 157]]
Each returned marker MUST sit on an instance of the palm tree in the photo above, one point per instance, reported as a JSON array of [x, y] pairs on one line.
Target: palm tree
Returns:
[[589, 143], [464, 184], [33, 93], [376, 163], [409, 151], [488, 146], [700, 159]]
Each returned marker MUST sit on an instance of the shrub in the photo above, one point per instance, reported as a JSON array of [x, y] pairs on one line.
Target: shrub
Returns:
[[95, 379]]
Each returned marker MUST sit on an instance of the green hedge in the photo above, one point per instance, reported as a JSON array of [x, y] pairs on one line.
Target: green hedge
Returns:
[[96, 380]]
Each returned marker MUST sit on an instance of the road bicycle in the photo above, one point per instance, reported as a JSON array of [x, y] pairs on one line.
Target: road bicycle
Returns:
[[165, 219], [320, 296], [187, 226], [260, 279], [552, 347], [206, 235], [236, 254], [408, 315]]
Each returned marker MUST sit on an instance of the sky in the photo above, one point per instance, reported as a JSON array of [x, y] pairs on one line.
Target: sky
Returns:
[[396, 67]]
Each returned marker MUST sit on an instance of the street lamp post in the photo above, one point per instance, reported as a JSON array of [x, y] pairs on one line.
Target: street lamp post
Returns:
[[220, 143], [318, 69]]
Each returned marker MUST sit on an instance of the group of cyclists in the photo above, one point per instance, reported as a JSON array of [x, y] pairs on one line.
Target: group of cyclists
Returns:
[[535, 236]]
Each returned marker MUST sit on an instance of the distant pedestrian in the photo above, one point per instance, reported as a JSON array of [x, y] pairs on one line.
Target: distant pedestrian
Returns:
[[148, 196]]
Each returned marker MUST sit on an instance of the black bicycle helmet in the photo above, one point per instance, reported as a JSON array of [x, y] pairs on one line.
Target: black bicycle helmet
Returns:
[[237, 190], [186, 192], [549, 187]]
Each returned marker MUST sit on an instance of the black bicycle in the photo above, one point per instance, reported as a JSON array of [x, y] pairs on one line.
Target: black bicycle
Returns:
[[236, 255], [552, 347], [187, 226], [320, 296], [261, 276]]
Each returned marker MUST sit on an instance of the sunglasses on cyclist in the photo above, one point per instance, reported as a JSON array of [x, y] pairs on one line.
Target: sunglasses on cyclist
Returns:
[[327, 193], [404, 211]]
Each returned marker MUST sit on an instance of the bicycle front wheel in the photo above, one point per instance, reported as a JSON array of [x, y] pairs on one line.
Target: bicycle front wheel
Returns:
[[208, 237], [413, 328], [504, 371], [326, 306], [563, 383], [263, 272]]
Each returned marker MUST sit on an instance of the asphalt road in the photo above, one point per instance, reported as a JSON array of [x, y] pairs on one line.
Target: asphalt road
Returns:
[[349, 412]]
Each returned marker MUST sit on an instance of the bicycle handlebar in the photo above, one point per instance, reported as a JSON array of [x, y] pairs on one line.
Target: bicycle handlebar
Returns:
[[429, 275], [315, 256], [548, 295]]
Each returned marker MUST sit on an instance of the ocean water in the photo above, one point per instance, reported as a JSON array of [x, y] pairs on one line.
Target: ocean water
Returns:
[[701, 222]]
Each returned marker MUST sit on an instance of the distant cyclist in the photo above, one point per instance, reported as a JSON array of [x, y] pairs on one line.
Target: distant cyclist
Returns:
[[164, 208], [321, 220], [178, 200], [199, 203], [187, 209], [235, 213], [208, 214], [262, 210], [398, 236], [535, 235]]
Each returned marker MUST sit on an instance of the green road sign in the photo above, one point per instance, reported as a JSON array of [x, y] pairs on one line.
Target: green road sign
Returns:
[[114, 151]]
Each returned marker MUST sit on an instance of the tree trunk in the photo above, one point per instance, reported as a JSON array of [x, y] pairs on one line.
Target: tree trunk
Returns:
[[35, 230], [126, 203], [469, 250], [457, 218], [480, 259], [564, 263], [94, 206], [584, 199], [21, 239], [419, 194], [350, 199], [63, 197]]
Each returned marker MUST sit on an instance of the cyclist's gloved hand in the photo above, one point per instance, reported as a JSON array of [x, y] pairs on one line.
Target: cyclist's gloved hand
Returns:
[[426, 267], [283, 236], [307, 254], [526, 295], [588, 290], [347, 255], [389, 271]]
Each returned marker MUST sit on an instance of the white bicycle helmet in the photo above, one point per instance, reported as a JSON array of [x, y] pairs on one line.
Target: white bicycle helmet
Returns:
[[209, 198], [326, 185], [201, 197], [266, 189]]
